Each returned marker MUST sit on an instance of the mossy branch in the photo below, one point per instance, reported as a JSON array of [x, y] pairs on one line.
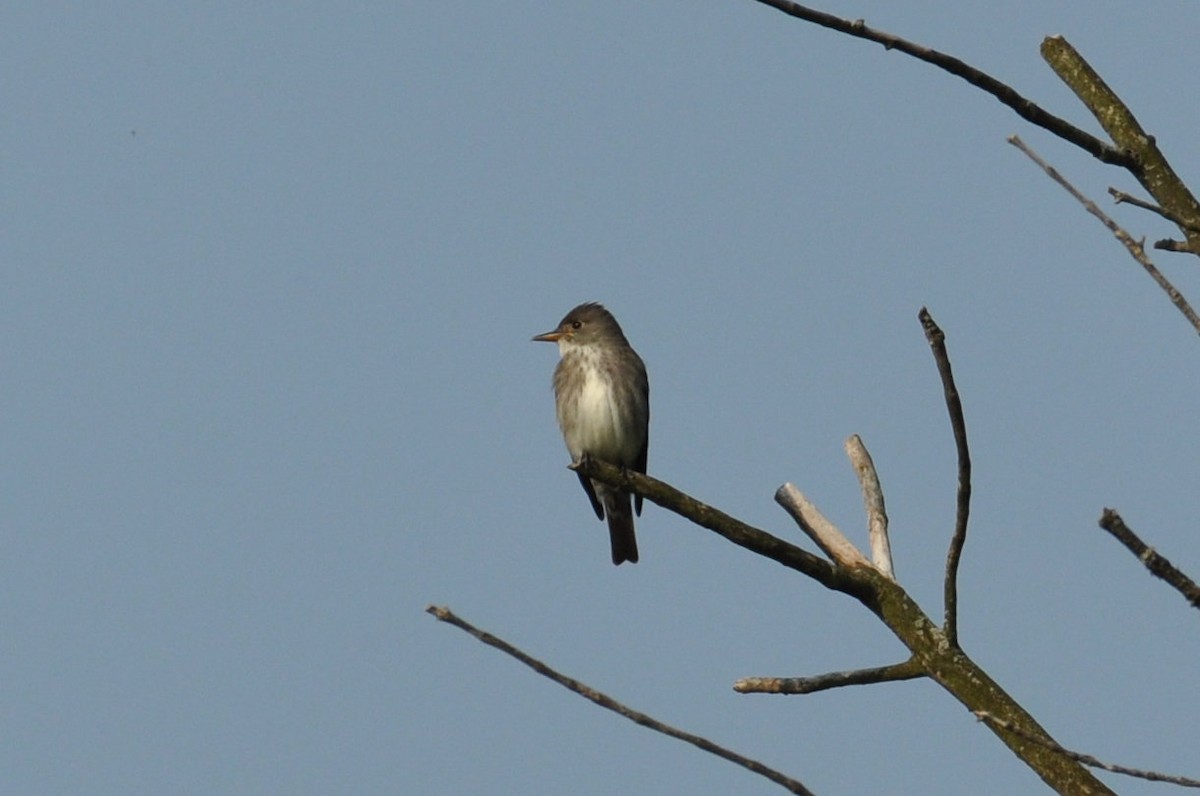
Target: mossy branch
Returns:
[[932, 653], [1147, 162]]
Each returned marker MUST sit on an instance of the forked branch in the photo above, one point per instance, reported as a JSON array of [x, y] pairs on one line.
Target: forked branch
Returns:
[[1149, 166], [932, 654], [1120, 197], [1134, 150], [736, 531], [1023, 107], [1134, 247]]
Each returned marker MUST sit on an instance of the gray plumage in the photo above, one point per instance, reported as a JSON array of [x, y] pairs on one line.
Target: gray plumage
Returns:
[[602, 398]]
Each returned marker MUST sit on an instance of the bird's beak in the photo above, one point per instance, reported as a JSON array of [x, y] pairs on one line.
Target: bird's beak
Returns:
[[549, 337]]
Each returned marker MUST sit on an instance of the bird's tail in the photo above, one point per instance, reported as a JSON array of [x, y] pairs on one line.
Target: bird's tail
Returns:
[[620, 526]]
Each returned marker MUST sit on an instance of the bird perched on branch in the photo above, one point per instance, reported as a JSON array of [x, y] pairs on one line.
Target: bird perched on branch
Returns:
[[602, 397]]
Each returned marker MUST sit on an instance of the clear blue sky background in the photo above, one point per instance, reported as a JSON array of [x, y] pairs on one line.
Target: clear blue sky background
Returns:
[[269, 276]]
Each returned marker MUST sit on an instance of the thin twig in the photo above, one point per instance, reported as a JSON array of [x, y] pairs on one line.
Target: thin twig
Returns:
[[877, 519], [1120, 197], [1088, 760], [1159, 566], [1023, 107], [908, 670], [1134, 247], [446, 615], [937, 342]]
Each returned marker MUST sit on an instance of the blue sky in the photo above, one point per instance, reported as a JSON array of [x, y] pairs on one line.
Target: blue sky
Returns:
[[270, 277]]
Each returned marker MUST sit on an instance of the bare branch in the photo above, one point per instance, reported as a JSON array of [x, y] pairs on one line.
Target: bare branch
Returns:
[[1134, 247], [1120, 197], [819, 528], [908, 670], [446, 615], [1088, 760], [1148, 164], [937, 341], [736, 531], [877, 520], [946, 664], [1025, 108], [1135, 150], [1159, 566]]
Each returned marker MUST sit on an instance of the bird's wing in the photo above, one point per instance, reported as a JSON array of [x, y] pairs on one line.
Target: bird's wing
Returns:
[[597, 506], [640, 464]]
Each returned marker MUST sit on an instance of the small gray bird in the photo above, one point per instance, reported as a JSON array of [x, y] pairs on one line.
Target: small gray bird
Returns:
[[602, 398]]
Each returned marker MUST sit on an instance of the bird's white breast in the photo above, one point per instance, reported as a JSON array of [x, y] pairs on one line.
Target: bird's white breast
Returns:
[[598, 428]]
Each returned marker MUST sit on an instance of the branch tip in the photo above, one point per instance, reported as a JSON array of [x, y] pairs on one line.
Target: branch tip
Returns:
[[877, 519], [1157, 565], [823, 532], [958, 425], [907, 670]]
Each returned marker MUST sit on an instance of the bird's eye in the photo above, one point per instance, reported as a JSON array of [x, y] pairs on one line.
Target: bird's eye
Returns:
[[576, 324]]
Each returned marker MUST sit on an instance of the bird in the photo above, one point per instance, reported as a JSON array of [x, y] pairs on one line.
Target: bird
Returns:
[[602, 401]]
